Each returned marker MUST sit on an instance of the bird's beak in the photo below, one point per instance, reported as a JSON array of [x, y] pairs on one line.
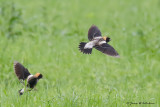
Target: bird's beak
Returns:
[[105, 38]]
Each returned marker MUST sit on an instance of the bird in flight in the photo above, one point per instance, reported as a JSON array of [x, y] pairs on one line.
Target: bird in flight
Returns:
[[98, 42], [23, 74]]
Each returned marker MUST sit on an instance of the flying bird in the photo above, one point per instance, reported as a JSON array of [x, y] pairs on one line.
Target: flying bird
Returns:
[[23, 74], [98, 42]]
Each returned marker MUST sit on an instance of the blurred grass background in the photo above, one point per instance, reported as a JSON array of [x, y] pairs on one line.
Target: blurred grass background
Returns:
[[44, 35]]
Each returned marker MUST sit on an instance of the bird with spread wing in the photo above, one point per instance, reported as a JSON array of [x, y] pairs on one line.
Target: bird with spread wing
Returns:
[[23, 74], [98, 42]]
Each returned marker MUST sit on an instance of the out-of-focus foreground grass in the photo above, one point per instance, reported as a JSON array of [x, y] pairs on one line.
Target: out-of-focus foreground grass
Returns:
[[44, 36]]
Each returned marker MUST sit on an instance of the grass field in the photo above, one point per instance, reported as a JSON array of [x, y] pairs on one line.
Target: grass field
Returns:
[[44, 35]]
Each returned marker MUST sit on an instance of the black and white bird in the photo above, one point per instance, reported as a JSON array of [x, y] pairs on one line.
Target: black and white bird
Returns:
[[97, 41], [23, 74]]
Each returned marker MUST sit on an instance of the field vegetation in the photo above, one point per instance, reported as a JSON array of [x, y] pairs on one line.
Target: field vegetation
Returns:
[[44, 36]]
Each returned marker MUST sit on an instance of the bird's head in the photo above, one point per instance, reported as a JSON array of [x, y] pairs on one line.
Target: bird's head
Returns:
[[38, 75], [107, 39]]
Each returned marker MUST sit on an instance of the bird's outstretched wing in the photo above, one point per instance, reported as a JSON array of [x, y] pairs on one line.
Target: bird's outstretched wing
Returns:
[[93, 32], [21, 72], [107, 49]]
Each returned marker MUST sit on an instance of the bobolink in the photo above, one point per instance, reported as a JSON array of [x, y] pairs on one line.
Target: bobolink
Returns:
[[23, 74], [97, 41]]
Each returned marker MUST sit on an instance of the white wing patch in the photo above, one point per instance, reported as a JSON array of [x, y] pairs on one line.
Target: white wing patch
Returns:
[[97, 38], [90, 44], [101, 42], [29, 77]]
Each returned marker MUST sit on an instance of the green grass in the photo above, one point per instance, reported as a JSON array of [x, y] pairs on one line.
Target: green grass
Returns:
[[44, 35]]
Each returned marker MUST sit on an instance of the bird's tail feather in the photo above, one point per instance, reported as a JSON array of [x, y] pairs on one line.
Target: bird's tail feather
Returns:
[[85, 51]]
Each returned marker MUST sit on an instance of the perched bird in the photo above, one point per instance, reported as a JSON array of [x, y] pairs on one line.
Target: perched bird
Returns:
[[23, 74], [97, 41]]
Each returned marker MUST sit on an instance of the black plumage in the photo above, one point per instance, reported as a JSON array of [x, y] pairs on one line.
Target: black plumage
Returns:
[[98, 42], [23, 74], [20, 71], [93, 32], [107, 49]]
